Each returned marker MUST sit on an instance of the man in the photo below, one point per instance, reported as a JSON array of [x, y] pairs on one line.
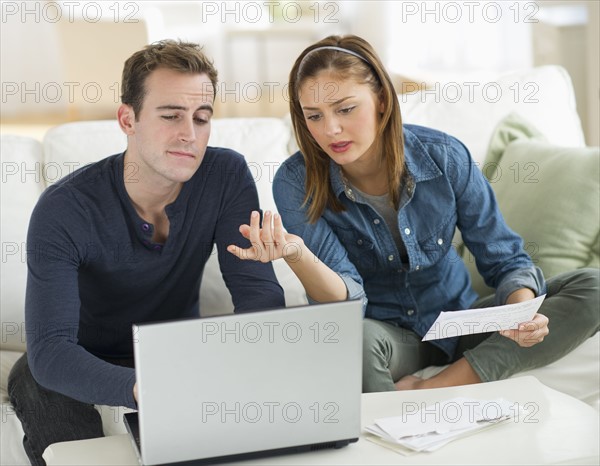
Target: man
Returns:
[[124, 241]]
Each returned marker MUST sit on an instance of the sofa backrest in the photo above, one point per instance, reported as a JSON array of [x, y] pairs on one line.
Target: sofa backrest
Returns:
[[470, 107], [263, 141], [22, 184]]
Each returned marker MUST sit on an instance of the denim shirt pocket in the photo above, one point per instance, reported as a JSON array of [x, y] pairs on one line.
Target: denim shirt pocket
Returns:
[[435, 246], [360, 248]]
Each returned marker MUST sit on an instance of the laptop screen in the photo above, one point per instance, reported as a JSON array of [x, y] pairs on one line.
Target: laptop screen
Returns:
[[249, 383]]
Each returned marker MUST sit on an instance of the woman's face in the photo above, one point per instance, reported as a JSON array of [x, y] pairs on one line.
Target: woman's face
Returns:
[[342, 116]]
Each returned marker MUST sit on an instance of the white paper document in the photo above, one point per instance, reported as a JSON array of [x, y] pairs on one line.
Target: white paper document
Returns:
[[488, 319], [427, 428]]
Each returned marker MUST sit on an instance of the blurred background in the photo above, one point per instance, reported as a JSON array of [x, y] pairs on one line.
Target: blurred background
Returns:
[[62, 61]]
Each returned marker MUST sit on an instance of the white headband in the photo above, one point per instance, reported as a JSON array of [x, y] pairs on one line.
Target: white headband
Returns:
[[332, 47], [339, 49]]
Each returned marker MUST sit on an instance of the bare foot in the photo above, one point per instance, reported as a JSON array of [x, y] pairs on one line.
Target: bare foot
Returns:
[[457, 373], [409, 382]]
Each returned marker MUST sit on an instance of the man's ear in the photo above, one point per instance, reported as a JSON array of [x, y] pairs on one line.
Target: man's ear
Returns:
[[126, 119]]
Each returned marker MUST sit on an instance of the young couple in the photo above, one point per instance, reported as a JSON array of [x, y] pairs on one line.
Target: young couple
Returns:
[[369, 208]]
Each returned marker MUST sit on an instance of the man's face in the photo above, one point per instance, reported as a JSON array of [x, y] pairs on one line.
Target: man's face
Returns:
[[167, 141]]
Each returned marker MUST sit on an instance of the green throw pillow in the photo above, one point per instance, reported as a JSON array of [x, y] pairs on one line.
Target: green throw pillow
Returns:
[[511, 128], [550, 196]]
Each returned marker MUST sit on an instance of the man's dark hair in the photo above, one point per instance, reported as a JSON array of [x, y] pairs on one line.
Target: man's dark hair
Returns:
[[184, 57]]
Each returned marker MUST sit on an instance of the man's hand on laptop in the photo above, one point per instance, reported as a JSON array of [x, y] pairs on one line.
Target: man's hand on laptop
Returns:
[[269, 242]]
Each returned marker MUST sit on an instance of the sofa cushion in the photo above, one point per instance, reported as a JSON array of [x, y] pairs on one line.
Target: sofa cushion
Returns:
[[549, 195], [22, 184], [512, 128], [73, 145], [263, 141], [469, 107]]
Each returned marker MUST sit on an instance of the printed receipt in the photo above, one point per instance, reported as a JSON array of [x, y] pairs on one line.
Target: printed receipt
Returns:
[[488, 319]]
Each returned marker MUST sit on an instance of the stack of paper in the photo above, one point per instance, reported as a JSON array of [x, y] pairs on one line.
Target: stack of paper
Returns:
[[488, 319], [427, 428]]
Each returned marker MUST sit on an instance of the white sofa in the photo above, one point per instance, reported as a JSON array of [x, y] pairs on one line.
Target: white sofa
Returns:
[[546, 99]]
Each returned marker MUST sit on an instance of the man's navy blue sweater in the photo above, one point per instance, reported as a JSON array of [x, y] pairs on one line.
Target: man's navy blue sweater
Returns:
[[93, 269]]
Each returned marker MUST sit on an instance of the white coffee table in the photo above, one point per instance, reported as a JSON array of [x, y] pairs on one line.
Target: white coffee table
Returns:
[[558, 429]]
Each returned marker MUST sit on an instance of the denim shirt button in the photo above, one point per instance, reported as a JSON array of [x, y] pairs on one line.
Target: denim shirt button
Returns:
[[350, 194], [376, 221], [418, 267], [407, 231], [440, 241], [359, 242], [410, 312], [391, 257], [145, 227]]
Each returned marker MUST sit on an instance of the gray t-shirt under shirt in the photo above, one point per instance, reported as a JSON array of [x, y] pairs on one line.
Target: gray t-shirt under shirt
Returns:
[[382, 206]]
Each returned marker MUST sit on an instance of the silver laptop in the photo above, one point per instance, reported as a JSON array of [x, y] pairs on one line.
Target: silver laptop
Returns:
[[248, 385]]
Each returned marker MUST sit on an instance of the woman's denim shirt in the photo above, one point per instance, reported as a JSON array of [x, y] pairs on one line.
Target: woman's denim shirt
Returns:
[[445, 190]]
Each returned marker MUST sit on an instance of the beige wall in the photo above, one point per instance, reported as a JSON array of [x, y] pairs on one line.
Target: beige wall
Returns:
[[593, 75], [576, 46], [32, 53]]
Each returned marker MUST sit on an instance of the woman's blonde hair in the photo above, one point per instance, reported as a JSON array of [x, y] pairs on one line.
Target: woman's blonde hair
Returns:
[[357, 61]]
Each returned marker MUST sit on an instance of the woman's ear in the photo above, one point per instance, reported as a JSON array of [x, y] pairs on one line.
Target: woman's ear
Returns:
[[381, 99], [126, 119]]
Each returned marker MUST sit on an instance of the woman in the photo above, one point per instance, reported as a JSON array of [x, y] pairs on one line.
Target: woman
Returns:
[[371, 208]]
